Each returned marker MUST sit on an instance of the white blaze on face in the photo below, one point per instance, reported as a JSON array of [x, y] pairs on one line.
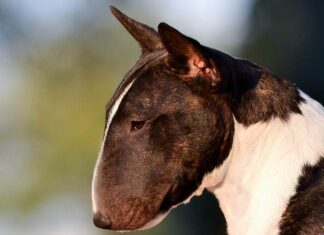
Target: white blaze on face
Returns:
[[111, 115]]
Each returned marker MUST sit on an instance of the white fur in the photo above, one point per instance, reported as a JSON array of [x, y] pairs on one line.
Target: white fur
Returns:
[[111, 115], [256, 181]]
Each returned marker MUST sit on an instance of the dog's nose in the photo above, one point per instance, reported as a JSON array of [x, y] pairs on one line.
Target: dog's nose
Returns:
[[101, 221]]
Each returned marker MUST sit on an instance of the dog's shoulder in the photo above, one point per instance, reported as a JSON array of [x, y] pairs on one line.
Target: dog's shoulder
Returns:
[[304, 214]]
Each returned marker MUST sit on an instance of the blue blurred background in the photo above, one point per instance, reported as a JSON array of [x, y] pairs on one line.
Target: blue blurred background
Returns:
[[60, 62]]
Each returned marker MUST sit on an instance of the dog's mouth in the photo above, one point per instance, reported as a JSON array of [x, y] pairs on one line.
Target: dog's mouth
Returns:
[[165, 208], [169, 202], [169, 197], [178, 193]]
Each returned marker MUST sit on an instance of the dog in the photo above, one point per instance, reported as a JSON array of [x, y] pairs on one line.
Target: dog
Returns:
[[187, 118]]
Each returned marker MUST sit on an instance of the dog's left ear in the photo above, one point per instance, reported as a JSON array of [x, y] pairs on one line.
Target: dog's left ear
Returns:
[[186, 56]]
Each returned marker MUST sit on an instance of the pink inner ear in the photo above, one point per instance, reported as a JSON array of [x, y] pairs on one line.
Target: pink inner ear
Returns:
[[197, 65], [201, 64]]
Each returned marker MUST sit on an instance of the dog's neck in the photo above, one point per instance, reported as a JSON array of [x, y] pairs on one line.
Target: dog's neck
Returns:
[[255, 182]]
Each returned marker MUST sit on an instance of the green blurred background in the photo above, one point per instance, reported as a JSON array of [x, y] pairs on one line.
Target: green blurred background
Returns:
[[60, 62]]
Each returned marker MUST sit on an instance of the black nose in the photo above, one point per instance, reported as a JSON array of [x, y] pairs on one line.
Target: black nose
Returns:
[[101, 221]]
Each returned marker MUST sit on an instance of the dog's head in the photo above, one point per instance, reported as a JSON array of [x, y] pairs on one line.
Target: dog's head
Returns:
[[167, 126]]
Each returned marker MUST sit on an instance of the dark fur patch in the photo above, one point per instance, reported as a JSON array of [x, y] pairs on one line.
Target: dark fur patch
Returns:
[[142, 63], [261, 96], [305, 212]]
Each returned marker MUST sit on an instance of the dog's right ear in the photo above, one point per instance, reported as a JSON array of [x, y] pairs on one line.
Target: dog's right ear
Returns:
[[187, 57], [147, 37]]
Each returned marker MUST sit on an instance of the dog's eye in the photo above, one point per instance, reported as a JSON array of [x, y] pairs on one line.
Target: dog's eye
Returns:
[[137, 125]]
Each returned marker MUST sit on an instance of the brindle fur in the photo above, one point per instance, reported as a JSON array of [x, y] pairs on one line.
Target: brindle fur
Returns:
[[189, 125], [305, 212]]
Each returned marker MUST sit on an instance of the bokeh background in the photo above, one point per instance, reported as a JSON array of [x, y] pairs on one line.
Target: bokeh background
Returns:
[[60, 62]]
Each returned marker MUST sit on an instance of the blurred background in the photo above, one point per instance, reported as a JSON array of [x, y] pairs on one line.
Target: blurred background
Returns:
[[60, 62]]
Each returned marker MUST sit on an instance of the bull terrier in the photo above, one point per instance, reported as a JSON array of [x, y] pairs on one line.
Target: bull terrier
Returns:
[[187, 118]]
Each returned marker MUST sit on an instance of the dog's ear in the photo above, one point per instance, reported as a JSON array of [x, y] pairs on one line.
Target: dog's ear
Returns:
[[186, 56], [147, 37]]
